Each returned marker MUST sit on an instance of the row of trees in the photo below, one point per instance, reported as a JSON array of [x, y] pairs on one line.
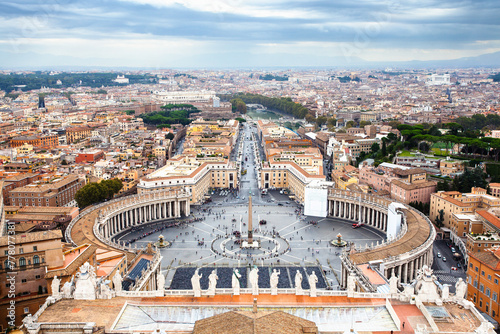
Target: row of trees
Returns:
[[282, 104], [171, 114], [39, 79], [384, 153], [97, 192], [238, 105], [413, 137], [464, 183]]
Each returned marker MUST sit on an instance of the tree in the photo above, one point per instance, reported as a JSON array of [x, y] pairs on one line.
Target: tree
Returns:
[[238, 106], [331, 123], [375, 147], [97, 192], [362, 124], [440, 219], [169, 135], [321, 120], [241, 120], [384, 147], [350, 124]]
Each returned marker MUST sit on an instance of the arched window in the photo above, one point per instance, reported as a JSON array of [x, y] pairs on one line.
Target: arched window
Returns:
[[6, 264], [22, 262], [36, 259]]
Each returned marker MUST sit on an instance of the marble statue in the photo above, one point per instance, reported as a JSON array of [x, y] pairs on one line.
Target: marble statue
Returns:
[[313, 279], [195, 282], [212, 283], [460, 289], [254, 280], [393, 284], [86, 283], [425, 287], [106, 292], [67, 290], [56, 282], [351, 283], [235, 282], [445, 292], [275, 276], [160, 282], [117, 282], [298, 283]]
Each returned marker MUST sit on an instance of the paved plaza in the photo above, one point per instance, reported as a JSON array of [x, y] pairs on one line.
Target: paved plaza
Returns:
[[287, 239], [300, 243]]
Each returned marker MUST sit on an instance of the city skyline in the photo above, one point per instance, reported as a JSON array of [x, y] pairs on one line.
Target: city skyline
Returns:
[[234, 33]]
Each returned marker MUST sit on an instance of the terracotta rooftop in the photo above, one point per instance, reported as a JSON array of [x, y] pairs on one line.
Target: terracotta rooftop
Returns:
[[31, 237], [243, 322]]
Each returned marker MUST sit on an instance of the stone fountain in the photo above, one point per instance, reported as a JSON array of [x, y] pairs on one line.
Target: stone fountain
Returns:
[[338, 242], [161, 243]]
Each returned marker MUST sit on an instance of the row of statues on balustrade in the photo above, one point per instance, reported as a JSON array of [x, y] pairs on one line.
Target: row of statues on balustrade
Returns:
[[88, 287], [254, 282]]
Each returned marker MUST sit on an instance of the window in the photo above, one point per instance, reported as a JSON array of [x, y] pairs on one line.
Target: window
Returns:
[[475, 284], [481, 288], [488, 292], [482, 272], [477, 269], [36, 259], [22, 262], [21, 251], [489, 277], [26, 310], [24, 280], [494, 297], [37, 277], [496, 281], [35, 248]]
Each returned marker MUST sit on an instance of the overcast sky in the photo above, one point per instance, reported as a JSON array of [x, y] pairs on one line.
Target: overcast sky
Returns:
[[198, 33]]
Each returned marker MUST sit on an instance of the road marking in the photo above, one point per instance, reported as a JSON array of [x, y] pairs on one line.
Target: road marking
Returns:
[[297, 221]]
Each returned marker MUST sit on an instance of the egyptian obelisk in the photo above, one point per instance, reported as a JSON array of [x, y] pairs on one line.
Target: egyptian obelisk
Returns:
[[250, 228]]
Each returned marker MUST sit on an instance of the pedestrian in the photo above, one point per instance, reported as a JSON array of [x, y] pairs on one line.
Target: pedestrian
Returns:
[[403, 325]]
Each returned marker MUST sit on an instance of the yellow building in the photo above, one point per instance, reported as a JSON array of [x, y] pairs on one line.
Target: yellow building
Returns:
[[287, 175], [454, 202], [195, 176], [24, 149]]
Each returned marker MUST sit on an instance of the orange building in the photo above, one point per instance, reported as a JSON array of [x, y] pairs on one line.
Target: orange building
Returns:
[[483, 275], [48, 141]]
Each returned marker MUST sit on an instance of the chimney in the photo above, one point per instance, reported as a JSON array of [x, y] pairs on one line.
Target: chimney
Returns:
[[255, 305]]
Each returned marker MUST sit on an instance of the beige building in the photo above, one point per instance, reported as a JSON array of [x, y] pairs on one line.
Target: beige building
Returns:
[[33, 254], [196, 176], [287, 175], [448, 167], [454, 202]]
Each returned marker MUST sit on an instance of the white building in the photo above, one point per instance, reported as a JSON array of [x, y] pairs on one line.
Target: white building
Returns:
[[184, 96], [438, 79]]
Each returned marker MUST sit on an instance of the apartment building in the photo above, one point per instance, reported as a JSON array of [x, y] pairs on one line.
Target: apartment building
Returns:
[[38, 141], [287, 175], [15, 181], [89, 156], [77, 133], [59, 191], [454, 202], [449, 167], [412, 185], [34, 253], [495, 189], [188, 173], [483, 275]]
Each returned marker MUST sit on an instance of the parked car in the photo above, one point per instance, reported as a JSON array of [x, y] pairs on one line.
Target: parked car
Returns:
[[453, 250], [459, 265], [444, 259], [438, 254], [356, 225]]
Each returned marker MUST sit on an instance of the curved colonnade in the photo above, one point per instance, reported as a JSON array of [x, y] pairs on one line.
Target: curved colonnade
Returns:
[[404, 254], [111, 218]]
